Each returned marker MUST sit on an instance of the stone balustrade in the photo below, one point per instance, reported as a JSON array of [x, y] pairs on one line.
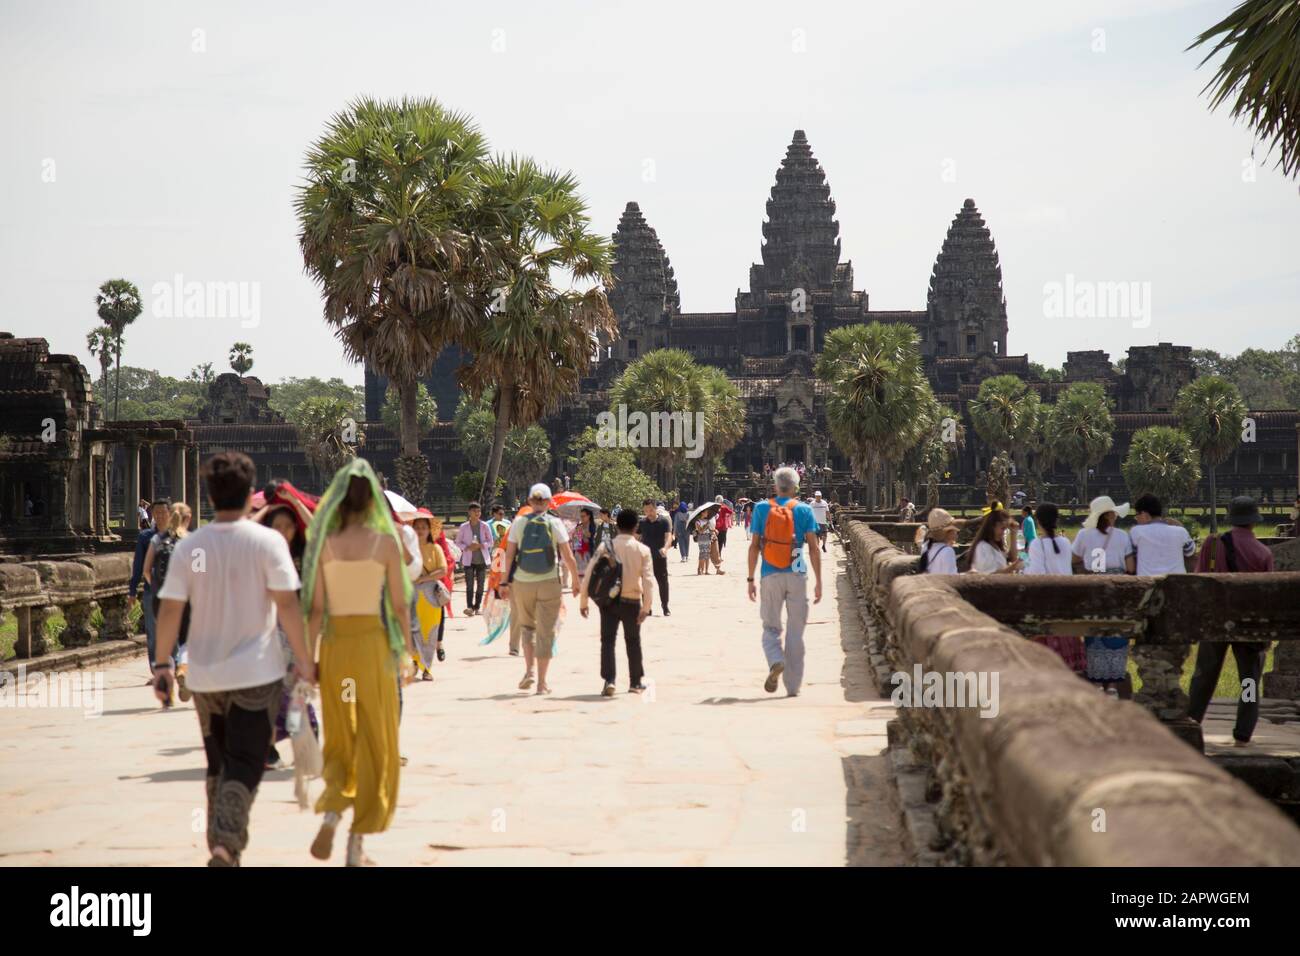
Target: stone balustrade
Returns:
[[1060, 774], [32, 592]]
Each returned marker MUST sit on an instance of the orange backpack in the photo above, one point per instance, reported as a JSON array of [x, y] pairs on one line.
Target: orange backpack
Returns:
[[777, 539]]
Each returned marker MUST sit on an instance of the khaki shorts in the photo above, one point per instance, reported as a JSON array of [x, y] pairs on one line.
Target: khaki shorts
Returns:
[[537, 604]]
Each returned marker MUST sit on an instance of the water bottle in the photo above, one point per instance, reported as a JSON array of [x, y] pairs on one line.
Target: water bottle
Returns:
[[293, 721]]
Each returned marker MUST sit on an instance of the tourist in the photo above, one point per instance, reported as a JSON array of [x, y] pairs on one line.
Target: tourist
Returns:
[[1049, 553], [630, 608], [239, 581], [428, 617], [605, 529], [536, 545], [705, 537], [143, 514], [906, 510], [1236, 551], [748, 512], [356, 585], [160, 516], [1160, 545], [680, 535], [989, 550], [499, 525], [822, 515], [1102, 548], [449, 555], [785, 535], [1028, 527], [475, 540], [726, 517], [656, 533], [583, 540], [154, 573], [938, 540]]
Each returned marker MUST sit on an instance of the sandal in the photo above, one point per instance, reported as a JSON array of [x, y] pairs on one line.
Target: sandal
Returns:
[[323, 845], [527, 682], [442, 655]]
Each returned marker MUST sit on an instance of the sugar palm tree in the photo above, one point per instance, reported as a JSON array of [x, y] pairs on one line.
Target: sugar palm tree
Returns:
[[384, 229], [543, 302], [877, 388], [942, 436], [1210, 411], [1080, 429], [723, 422], [118, 305], [103, 345], [1161, 461], [1260, 73], [663, 381], [241, 358], [1005, 416]]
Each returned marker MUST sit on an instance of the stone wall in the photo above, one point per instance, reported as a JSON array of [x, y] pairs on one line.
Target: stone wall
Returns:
[[32, 591], [1062, 775]]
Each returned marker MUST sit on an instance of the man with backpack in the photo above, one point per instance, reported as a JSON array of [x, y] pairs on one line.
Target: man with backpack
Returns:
[[1238, 551], [621, 583], [535, 545], [785, 534]]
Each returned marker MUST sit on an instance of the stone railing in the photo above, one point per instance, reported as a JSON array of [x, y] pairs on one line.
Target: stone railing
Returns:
[[1057, 773], [32, 591]]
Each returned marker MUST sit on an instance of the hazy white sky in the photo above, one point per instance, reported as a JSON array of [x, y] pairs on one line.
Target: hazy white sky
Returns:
[[1078, 128]]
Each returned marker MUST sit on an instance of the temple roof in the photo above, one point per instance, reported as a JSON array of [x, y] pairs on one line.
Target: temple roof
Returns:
[[644, 282], [801, 245], [968, 259]]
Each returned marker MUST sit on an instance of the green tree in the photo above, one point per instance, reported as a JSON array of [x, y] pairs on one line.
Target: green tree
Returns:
[[610, 476], [1080, 429], [241, 358], [468, 484], [1162, 462], [426, 409], [329, 433], [202, 375], [385, 229], [877, 387], [1210, 411], [1045, 374], [287, 394], [545, 304], [118, 304], [147, 395], [662, 382], [942, 436], [723, 424], [524, 458], [1260, 73], [103, 344], [1005, 415]]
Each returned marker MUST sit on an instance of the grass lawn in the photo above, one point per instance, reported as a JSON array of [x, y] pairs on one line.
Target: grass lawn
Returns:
[[1229, 684], [54, 627]]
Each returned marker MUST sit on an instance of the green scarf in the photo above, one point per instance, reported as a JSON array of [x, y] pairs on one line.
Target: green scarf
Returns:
[[327, 520]]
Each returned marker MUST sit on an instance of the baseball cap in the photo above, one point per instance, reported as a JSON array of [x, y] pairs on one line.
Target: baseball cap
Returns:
[[539, 492]]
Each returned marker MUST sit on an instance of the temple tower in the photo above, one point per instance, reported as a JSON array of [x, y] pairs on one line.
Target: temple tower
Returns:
[[966, 308], [644, 294]]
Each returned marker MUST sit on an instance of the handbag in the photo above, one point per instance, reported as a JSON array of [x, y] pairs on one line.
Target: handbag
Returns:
[[441, 594]]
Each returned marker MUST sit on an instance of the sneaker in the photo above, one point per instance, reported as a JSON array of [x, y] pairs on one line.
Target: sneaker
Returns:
[[608, 691], [773, 676], [442, 655], [636, 689], [667, 613], [514, 653]]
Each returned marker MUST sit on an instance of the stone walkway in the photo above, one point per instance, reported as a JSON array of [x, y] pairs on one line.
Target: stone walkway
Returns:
[[706, 769]]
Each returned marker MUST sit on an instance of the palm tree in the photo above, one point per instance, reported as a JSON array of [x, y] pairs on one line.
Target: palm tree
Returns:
[[723, 423], [241, 358], [118, 304], [1080, 429], [663, 381], [543, 296], [383, 222], [1161, 461], [103, 345], [1261, 72], [876, 389], [325, 424], [942, 435], [1005, 416], [1210, 411]]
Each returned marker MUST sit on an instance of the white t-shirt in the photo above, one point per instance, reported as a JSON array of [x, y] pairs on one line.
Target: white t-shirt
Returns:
[[987, 559], [942, 558], [1089, 544], [516, 537], [415, 567], [1043, 559], [225, 570], [820, 510], [1161, 547]]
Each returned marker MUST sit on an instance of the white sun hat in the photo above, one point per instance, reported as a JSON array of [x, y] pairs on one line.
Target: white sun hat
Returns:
[[1099, 506]]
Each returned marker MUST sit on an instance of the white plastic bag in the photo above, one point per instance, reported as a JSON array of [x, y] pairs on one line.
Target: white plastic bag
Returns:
[[307, 759]]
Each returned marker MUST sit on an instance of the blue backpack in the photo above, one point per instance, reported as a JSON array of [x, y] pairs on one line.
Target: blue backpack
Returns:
[[537, 547]]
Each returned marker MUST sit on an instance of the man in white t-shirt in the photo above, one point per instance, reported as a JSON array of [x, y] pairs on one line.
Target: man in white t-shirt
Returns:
[[821, 513], [535, 545], [1161, 543], [239, 581]]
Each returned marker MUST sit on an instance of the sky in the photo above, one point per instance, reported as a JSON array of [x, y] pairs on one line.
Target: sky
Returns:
[[163, 142]]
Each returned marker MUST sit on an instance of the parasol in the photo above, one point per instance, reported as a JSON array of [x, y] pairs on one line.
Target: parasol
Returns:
[[569, 504], [705, 510], [401, 507]]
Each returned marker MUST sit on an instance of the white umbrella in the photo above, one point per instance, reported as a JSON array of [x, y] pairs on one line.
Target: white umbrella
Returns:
[[401, 507], [710, 507]]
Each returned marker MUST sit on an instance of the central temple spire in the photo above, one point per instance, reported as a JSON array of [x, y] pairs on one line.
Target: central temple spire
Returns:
[[801, 245]]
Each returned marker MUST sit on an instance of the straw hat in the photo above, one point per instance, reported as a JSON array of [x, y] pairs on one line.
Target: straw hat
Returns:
[[936, 523], [1099, 506]]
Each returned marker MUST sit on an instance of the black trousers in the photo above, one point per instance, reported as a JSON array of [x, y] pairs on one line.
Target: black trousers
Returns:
[[625, 613], [1250, 659], [237, 728], [660, 564], [475, 575], [722, 539]]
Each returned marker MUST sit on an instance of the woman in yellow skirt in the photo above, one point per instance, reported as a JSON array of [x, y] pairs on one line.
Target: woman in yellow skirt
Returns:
[[356, 587]]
